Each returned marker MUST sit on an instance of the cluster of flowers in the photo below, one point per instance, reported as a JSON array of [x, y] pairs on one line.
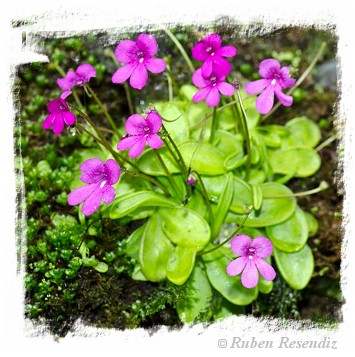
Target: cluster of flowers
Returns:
[[138, 59]]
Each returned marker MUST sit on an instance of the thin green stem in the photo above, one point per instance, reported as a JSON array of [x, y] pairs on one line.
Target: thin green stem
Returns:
[[218, 109], [322, 186], [206, 198], [326, 142], [129, 98], [214, 125], [125, 85], [244, 125], [300, 80], [148, 178], [181, 49], [102, 106], [170, 83], [75, 95], [226, 240], [168, 174]]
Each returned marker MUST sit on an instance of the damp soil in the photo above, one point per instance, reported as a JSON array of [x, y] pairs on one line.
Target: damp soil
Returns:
[[108, 300]]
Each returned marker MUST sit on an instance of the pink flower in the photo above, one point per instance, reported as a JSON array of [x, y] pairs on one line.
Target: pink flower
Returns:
[[211, 52], [138, 58], [99, 178], [59, 114], [251, 254], [211, 87], [82, 75], [274, 80], [141, 131]]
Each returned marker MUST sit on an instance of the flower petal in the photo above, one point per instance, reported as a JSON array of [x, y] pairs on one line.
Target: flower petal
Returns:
[[268, 67], [236, 266], [198, 80], [221, 67], [80, 194], [57, 105], [93, 202], [213, 97], [263, 246], [86, 71], [227, 51], [147, 44], [154, 141], [255, 87], [113, 171], [135, 125], [137, 148], [58, 123], [127, 142], [285, 80], [69, 118], [92, 170], [265, 269], [154, 122], [139, 77], [68, 82], [65, 94], [240, 244], [285, 99], [200, 95], [207, 68], [213, 40], [155, 65], [199, 51], [226, 88], [126, 51], [250, 275], [108, 194], [48, 122], [123, 73], [265, 101]]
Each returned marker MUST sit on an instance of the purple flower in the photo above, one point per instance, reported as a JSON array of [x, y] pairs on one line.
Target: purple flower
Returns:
[[141, 131], [138, 58], [211, 52], [59, 114], [211, 87], [275, 78], [251, 254], [99, 178], [82, 75]]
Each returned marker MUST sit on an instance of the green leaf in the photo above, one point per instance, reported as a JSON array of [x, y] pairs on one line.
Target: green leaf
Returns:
[[229, 286], [133, 242], [242, 196], [257, 196], [223, 205], [290, 235], [296, 268], [229, 143], [101, 267], [195, 113], [312, 224], [180, 264], [178, 129], [300, 162], [126, 204], [185, 227], [303, 132], [199, 295], [226, 309], [269, 136], [149, 164], [273, 210], [155, 250], [265, 286], [187, 91], [195, 154]]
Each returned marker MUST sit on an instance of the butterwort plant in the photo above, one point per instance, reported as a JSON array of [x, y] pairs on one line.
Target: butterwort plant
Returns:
[[192, 167]]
